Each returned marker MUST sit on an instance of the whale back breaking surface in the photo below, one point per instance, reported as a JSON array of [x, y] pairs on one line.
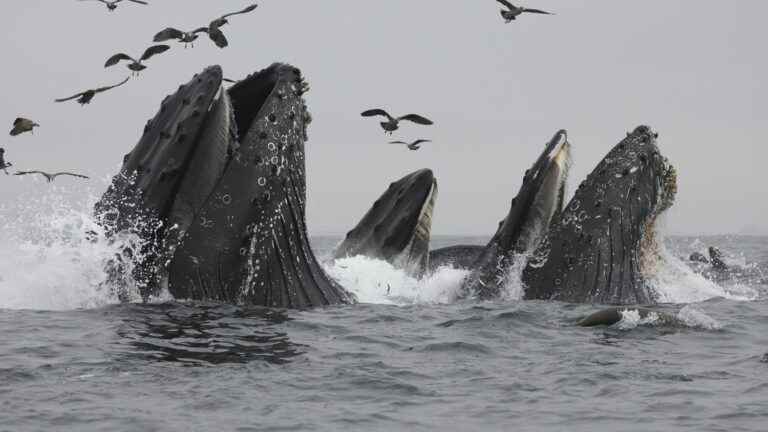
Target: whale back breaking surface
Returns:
[[539, 199], [397, 228], [231, 226], [603, 247]]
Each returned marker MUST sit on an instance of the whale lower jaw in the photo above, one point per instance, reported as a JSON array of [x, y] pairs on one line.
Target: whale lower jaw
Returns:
[[221, 173]]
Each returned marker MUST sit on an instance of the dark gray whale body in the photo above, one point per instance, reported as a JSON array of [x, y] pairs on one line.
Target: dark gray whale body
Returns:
[[216, 187], [397, 228], [603, 246], [218, 180], [457, 256], [539, 200]]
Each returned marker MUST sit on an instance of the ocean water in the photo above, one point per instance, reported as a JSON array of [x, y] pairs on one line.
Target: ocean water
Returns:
[[408, 357]]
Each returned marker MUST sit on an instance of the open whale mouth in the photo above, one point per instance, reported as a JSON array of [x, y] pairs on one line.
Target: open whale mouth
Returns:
[[398, 226], [222, 172], [186, 149]]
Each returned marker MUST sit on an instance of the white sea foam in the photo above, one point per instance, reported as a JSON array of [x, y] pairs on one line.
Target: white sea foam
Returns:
[[675, 282], [631, 318], [693, 317], [53, 253], [377, 281]]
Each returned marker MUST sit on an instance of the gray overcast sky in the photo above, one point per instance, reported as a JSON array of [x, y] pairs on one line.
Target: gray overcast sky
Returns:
[[693, 70]]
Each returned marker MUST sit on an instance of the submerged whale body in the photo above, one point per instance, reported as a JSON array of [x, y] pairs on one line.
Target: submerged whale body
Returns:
[[219, 180], [397, 227], [603, 247]]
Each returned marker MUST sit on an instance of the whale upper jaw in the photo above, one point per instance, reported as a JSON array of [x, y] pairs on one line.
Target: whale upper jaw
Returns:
[[538, 201], [398, 226], [219, 175], [603, 248]]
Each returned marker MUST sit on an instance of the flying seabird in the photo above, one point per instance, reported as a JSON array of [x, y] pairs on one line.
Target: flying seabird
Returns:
[[21, 125], [513, 11], [136, 65], [214, 28], [188, 38], [391, 124], [86, 96], [48, 176], [112, 5], [412, 146]]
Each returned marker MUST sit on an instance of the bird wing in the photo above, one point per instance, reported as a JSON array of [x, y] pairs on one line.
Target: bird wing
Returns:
[[538, 11], [167, 34], [419, 141], [30, 172], [101, 89], [217, 36], [17, 121], [375, 112], [398, 142], [69, 174], [416, 119], [200, 30], [507, 4], [139, 2], [154, 50], [115, 59], [246, 10], [70, 98]]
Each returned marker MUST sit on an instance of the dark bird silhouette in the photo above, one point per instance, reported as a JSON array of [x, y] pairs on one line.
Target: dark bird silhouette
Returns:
[[392, 123], [21, 125], [3, 163], [188, 38], [112, 4], [50, 177], [513, 11], [136, 65], [214, 28], [412, 146], [86, 96]]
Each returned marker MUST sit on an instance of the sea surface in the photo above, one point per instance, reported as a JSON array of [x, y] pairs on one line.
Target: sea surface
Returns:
[[408, 357]]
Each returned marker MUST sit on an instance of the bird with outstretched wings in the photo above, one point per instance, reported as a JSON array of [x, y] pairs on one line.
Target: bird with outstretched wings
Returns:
[[50, 176], [86, 96]]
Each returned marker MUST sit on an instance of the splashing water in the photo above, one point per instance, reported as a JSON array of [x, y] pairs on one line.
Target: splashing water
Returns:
[[676, 282], [54, 256], [631, 318], [377, 281], [54, 253]]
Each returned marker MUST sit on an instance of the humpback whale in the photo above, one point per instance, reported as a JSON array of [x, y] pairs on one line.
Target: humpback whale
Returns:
[[603, 247], [397, 227], [217, 185], [539, 200]]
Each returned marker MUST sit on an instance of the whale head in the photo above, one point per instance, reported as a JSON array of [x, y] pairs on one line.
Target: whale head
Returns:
[[217, 183], [397, 227], [603, 248]]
